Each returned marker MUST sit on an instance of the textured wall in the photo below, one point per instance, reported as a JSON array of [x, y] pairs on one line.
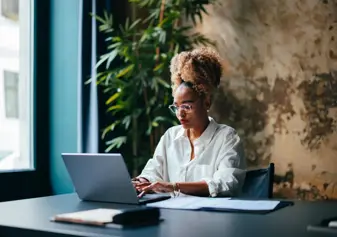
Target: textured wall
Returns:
[[281, 90]]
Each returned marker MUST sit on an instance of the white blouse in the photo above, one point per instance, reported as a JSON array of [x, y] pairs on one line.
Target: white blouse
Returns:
[[219, 159]]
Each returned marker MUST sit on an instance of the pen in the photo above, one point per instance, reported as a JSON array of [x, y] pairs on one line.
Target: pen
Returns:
[[141, 194]]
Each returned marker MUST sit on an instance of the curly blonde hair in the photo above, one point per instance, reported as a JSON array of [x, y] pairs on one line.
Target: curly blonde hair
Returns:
[[202, 68]]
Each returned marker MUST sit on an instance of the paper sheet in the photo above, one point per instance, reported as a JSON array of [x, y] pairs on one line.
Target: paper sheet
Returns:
[[194, 203], [240, 204], [184, 202]]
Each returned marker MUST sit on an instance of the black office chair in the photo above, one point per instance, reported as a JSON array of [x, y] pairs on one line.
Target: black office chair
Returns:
[[259, 183]]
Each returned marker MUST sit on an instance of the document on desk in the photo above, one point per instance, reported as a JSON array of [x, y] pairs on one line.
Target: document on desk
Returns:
[[184, 202], [195, 203], [245, 205]]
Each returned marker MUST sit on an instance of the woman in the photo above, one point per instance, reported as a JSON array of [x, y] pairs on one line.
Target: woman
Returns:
[[198, 157]]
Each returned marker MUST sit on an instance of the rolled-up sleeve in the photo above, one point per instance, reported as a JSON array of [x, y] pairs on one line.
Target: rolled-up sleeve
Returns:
[[229, 177], [154, 168]]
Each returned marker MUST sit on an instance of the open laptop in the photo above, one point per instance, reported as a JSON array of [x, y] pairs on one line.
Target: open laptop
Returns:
[[104, 178]]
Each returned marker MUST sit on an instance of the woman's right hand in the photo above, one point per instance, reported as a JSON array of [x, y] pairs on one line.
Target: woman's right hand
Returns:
[[137, 181]]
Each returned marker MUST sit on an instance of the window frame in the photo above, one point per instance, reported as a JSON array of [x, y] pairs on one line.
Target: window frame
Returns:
[[35, 182]]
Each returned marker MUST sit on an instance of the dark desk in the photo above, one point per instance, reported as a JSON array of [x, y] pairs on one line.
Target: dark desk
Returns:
[[30, 217]]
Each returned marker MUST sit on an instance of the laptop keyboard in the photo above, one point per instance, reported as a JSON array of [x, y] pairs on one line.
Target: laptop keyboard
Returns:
[[152, 196]]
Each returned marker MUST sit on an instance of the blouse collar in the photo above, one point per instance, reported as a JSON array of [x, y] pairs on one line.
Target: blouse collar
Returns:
[[205, 137]]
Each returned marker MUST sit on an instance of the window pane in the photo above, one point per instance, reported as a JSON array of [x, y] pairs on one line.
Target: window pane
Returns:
[[11, 89], [10, 9], [16, 79]]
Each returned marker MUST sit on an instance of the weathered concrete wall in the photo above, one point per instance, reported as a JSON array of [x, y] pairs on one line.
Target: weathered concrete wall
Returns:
[[281, 89]]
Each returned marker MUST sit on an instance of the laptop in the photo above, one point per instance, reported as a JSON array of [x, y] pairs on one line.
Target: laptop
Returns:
[[104, 178]]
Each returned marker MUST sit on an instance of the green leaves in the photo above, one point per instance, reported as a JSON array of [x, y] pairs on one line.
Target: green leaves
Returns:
[[112, 98], [115, 107], [106, 22], [195, 8], [144, 3], [109, 128], [125, 71], [134, 70], [112, 56], [158, 67], [163, 83], [116, 143]]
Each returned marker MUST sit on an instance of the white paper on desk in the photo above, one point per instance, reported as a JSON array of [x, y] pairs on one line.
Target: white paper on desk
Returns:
[[194, 203], [247, 205], [182, 202]]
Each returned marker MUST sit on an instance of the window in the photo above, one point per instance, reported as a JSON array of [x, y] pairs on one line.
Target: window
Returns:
[[11, 89], [16, 80], [10, 9]]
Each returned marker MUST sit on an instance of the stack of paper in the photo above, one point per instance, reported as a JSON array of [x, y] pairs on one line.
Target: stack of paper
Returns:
[[194, 203]]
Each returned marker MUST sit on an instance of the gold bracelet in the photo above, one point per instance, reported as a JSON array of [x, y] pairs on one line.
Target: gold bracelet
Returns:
[[176, 189]]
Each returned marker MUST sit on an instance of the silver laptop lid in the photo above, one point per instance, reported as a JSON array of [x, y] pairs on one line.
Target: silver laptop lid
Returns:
[[100, 177]]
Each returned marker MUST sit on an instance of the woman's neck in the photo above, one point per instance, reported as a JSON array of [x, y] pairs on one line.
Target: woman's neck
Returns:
[[194, 133]]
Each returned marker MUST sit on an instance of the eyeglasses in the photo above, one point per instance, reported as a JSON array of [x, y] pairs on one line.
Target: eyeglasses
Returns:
[[184, 107], [187, 108]]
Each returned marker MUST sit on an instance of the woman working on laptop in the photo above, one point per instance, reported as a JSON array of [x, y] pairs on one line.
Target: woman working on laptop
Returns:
[[199, 157]]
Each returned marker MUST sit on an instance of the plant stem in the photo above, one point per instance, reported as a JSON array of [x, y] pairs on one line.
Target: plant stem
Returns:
[[156, 135], [174, 26], [151, 143], [161, 16], [162, 8], [135, 141], [153, 135], [135, 146]]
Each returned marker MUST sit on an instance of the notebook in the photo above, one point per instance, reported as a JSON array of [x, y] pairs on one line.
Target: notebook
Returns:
[[106, 217]]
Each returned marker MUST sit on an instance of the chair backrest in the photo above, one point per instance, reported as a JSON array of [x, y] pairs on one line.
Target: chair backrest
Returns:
[[259, 183]]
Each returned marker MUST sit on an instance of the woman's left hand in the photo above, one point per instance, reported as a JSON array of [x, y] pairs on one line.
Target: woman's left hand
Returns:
[[158, 187]]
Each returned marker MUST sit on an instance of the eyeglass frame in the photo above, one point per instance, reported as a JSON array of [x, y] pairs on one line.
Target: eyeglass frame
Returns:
[[188, 108]]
